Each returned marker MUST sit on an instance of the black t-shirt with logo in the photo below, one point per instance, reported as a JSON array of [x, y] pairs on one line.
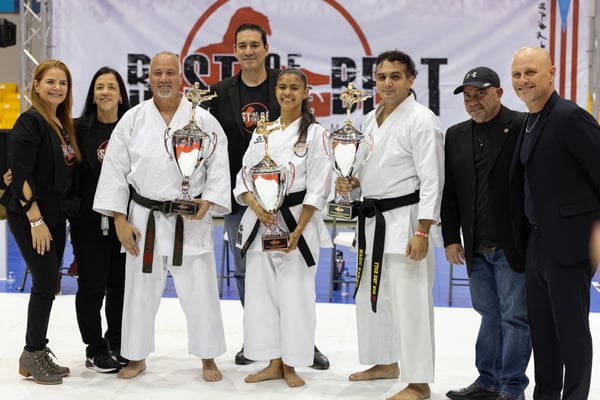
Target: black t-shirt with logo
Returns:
[[93, 140], [254, 100]]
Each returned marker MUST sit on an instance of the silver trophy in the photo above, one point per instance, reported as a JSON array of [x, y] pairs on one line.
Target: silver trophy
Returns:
[[270, 183], [342, 146], [191, 147]]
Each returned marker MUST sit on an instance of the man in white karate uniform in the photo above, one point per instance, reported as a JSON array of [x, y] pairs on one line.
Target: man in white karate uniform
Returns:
[[401, 182], [140, 164]]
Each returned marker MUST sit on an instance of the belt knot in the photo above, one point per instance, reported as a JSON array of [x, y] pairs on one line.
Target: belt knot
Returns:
[[367, 208]]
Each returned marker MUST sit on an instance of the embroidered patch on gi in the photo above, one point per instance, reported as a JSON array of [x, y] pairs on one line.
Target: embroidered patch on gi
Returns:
[[300, 149]]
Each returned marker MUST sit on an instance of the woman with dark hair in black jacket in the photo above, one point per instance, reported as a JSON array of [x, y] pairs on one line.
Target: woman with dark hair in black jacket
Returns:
[[101, 265]]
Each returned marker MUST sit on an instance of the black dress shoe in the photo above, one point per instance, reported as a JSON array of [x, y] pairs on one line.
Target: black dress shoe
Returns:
[[473, 391], [320, 361], [240, 359]]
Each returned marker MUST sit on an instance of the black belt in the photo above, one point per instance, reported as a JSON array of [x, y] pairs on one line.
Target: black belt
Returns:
[[370, 208], [164, 207], [290, 200]]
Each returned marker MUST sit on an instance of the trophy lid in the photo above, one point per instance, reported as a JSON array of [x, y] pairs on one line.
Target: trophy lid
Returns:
[[190, 130], [347, 133], [266, 165]]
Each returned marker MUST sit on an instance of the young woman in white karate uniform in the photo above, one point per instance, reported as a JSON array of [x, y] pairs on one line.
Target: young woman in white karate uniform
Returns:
[[279, 312]]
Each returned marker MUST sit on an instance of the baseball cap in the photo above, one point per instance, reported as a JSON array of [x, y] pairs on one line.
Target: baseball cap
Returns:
[[480, 77]]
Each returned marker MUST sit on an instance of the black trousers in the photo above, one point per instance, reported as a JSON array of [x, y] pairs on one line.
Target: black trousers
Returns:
[[101, 269], [44, 276], [558, 299]]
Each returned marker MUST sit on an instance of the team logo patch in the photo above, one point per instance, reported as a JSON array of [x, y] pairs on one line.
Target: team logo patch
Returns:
[[300, 149]]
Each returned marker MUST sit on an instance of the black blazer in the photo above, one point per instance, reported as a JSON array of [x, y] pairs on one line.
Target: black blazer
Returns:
[[563, 172], [36, 157], [458, 201], [226, 108]]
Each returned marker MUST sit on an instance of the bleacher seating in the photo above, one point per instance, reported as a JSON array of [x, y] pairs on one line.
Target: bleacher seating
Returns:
[[9, 87], [10, 104]]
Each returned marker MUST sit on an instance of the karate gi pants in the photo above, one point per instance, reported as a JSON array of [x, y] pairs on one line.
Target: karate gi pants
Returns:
[[279, 312], [403, 327], [196, 285]]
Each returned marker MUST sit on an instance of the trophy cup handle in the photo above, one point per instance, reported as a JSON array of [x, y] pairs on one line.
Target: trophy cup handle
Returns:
[[371, 144], [212, 140], [244, 177], [292, 176]]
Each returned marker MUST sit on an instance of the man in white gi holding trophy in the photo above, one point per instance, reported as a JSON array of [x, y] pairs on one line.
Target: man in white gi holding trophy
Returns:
[[401, 183], [148, 161]]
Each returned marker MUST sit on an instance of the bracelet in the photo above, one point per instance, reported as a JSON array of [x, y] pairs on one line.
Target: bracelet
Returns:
[[36, 222], [421, 233]]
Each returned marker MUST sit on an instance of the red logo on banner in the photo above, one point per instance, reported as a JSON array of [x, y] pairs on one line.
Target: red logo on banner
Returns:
[[209, 70]]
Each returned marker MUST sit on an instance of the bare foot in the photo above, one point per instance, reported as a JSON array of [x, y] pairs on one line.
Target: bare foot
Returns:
[[414, 391], [389, 371], [291, 377], [273, 371], [132, 369], [210, 372]]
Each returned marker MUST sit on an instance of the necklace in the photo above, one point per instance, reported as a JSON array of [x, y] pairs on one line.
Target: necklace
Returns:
[[481, 143], [528, 128], [481, 132]]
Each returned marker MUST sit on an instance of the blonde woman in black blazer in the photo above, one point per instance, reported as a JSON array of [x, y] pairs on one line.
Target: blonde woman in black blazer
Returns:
[[43, 155]]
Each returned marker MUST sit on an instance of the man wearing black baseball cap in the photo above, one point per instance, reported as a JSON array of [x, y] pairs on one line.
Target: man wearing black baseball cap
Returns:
[[478, 154], [480, 78]]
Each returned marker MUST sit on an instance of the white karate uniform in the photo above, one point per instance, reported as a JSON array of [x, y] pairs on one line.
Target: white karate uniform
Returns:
[[279, 311], [407, 156], [139, 156]]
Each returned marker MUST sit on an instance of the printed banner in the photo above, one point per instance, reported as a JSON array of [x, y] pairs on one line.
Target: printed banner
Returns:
[[334, 41]]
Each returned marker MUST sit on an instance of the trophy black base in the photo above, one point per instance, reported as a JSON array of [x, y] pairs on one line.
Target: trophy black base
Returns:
[[275, 242], [184, 208], [342, 211]]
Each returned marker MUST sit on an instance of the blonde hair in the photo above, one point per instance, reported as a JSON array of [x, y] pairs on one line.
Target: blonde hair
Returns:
[[63, 112]]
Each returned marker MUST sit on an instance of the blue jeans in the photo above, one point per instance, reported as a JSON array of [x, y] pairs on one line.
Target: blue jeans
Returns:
[[503, 344], [231, 224]]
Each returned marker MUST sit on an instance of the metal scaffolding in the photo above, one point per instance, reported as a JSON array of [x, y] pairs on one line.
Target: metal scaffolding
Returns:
[[594, 59], [35, 44]]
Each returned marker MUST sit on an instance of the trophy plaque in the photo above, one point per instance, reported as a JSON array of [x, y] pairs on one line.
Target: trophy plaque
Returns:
[[342, 146], [191, 147], [269, 183]]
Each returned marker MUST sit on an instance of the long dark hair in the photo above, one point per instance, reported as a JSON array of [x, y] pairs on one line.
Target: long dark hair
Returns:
[[307, 115], [63, 112], [90, 110]]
